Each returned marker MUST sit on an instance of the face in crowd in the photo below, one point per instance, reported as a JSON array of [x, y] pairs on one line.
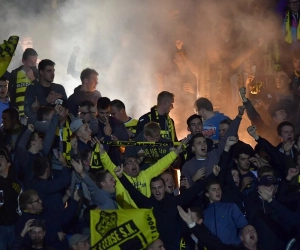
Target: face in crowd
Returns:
[[214, 193], [158, 189], [195, 126]]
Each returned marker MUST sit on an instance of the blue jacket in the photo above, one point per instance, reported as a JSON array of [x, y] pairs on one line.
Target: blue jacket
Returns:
[[50, 191], [225, 220], [211, 126]]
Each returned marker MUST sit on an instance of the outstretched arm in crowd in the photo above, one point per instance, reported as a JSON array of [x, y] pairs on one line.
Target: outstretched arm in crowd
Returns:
[[97, 196], [202, 233], [232, 131], [165, 161], [72, 63], [253, 115], [277, 157], [290, 219], [193, 191]]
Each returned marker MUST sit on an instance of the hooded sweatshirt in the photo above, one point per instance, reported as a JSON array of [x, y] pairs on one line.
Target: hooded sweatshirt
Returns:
[[211, 125], [79, 96]]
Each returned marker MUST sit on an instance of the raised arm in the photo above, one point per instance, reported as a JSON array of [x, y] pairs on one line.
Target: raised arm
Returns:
[[165, 161], [50, 134]]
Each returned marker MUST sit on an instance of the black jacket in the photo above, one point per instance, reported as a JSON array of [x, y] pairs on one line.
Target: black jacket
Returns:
[[9, 211], [165, 210], [79, 96], [211, 242], [272, 233]]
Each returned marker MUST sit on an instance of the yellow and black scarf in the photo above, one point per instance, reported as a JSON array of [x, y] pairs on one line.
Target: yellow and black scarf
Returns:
[[288, 28], [66, 139], [154, 116]]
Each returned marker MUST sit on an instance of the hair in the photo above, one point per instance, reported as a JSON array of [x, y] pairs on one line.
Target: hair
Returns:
[[198, 211], [84, 154], [204, 103], [86, 73], [163, 96], [152, 129], [13, 113], [242, 149], [103, 103], [100, 177], [125, 158], [44, 63], [226, 121], [157, 178], [117, 104], [258, 149], [192, 117], [25, 198], [264, 169], [87, 103], [199, 135], [40, 165], [282, 124], [166, 172], [29, 52], [44, 111], [3, 79], [212, 182], [38, 223]]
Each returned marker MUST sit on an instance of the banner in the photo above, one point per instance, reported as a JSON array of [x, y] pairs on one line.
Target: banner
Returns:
[[139, 143], [125, 229]]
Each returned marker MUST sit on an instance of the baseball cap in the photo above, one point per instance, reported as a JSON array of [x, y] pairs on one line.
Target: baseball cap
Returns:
[[284, 104], [76, 238], [76, 124], [4, 153], [267, 180]]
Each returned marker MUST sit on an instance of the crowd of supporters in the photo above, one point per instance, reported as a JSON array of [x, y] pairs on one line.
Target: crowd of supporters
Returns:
[[61, 157]]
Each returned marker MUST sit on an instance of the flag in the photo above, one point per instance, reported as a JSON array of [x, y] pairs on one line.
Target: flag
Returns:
[[7, 50], [125, 229]]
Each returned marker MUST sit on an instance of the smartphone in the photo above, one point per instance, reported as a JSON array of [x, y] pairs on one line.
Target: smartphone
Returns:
[[55, 152], [1, 198], [78, 185], [58, 101]]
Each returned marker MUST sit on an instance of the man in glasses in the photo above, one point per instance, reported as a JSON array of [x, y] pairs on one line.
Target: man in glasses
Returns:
[[149, 154], [32, 208], [87, 111]]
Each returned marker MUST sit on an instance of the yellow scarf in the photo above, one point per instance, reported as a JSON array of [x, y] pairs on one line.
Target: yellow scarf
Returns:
[[288, 28], [155, 118], [95, 159], [66, 139]]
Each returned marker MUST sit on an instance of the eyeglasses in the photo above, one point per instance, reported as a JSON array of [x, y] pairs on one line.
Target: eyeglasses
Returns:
[[38, 200], [83, 113]]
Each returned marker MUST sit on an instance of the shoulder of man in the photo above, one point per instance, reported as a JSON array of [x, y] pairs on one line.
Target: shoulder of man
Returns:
[[145, 117]]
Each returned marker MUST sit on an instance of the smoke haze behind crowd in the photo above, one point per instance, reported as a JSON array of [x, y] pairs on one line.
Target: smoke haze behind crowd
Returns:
[[132, 43]]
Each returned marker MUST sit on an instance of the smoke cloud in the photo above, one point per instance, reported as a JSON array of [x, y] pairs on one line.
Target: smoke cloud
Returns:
[[132, 45]]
